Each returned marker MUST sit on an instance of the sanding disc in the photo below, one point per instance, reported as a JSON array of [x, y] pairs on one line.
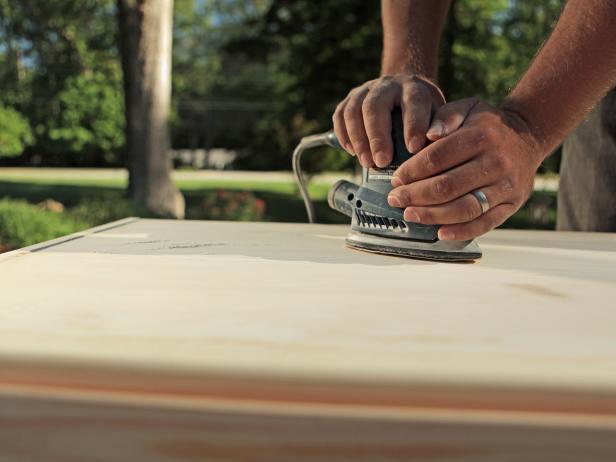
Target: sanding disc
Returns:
[[447, 251]]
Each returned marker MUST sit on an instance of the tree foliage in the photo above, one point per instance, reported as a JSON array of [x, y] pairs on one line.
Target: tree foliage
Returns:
[[51, 51], [15, 133], [317, 54], [251, 75], [90, 116]]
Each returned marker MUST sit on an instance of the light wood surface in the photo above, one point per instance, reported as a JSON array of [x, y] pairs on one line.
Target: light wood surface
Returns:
[[282, 340]]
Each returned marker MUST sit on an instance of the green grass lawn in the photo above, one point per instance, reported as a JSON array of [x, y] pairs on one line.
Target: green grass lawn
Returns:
[[90, 202], [282, 199]]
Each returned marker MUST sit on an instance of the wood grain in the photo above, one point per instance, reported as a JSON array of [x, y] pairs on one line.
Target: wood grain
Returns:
[[102, 431], [157, 340]]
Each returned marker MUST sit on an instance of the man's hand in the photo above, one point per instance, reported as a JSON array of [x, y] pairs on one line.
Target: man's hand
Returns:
[[476, 146], [362, 121]]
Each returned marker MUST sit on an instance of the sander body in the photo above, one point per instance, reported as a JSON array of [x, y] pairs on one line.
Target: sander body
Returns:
[[375, 225]]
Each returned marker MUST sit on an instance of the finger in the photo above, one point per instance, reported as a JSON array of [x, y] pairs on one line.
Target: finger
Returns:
[[340, 128], [461, 210], [447, 186], [376, 110], [441, 156], [448, 118], [354, 122], [486, 222], [416, 108]]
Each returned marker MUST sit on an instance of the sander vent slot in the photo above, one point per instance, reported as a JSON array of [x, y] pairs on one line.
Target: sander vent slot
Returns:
[[367, 220]]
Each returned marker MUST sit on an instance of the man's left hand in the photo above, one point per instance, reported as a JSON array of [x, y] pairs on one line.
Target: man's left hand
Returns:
[[475, 146]]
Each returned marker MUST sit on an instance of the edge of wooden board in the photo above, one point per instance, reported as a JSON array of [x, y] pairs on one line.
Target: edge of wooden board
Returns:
[[61, 240], [138, 384]]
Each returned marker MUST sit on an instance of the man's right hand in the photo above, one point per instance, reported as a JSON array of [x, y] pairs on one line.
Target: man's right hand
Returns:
[[362, 121]]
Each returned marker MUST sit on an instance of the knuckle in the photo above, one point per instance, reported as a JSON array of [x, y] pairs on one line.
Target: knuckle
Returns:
[[351, 94], [371, 103], [404, 195], [491, 134], [367, 85], [416, 94], [442, 187], [492, 164], [495, 162], [386, 80], [361, 145], [478, 139], [376, 142], [383, 85], [472, 101], [486, 165], [502, 162], [430, 160], [402, 173], [357, 90], [352, 108], [469, 212], [506, 185], [506, 162], [425, 215]]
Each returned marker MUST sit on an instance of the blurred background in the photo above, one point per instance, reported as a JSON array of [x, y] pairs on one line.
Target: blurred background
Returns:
[[249, 78]]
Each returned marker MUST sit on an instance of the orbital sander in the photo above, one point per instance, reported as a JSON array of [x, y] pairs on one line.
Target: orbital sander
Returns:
[[375, 225]]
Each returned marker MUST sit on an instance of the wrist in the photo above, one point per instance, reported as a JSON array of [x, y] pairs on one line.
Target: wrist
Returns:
[[393, 63], [533, 137]]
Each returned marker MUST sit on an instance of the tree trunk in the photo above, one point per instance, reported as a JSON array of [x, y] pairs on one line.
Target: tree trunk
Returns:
[[145, 38]]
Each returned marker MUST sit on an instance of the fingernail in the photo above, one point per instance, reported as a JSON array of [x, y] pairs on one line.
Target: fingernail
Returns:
[[393, 201], [411, 215], [349, 148], [437, 130], [381, 159], [415, 144], [368, 162], [396, 181], [445, 235]]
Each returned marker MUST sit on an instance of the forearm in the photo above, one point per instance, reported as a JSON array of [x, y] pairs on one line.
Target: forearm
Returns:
[[411, 32], [575, 68]]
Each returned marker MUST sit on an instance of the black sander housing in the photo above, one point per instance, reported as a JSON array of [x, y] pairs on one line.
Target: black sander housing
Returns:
[[375, 225]]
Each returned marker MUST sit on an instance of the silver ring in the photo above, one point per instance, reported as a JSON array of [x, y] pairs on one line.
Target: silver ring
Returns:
[[483, 200]]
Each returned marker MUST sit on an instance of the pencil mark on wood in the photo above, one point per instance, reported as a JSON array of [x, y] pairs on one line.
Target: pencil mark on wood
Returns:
[[538, 290]]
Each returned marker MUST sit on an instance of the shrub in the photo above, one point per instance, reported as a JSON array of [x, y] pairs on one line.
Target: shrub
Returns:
[[23, 224], [232, 205], [15, 133], [96, 212]]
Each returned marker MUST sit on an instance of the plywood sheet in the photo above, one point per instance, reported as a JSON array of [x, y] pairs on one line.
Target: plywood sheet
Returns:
[[286, 312]]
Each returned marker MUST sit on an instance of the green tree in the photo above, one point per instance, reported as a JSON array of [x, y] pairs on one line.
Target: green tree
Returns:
[[316, 54], [47, 47], [15, 133], [218, 96], [488, 44], [90, 117]]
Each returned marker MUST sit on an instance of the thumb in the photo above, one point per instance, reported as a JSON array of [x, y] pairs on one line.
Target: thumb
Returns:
[[449, 117]]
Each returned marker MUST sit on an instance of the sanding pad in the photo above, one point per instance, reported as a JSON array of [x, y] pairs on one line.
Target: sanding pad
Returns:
[[446, 251]]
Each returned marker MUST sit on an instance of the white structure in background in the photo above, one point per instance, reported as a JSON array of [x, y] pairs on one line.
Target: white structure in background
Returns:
[[212, 159]]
